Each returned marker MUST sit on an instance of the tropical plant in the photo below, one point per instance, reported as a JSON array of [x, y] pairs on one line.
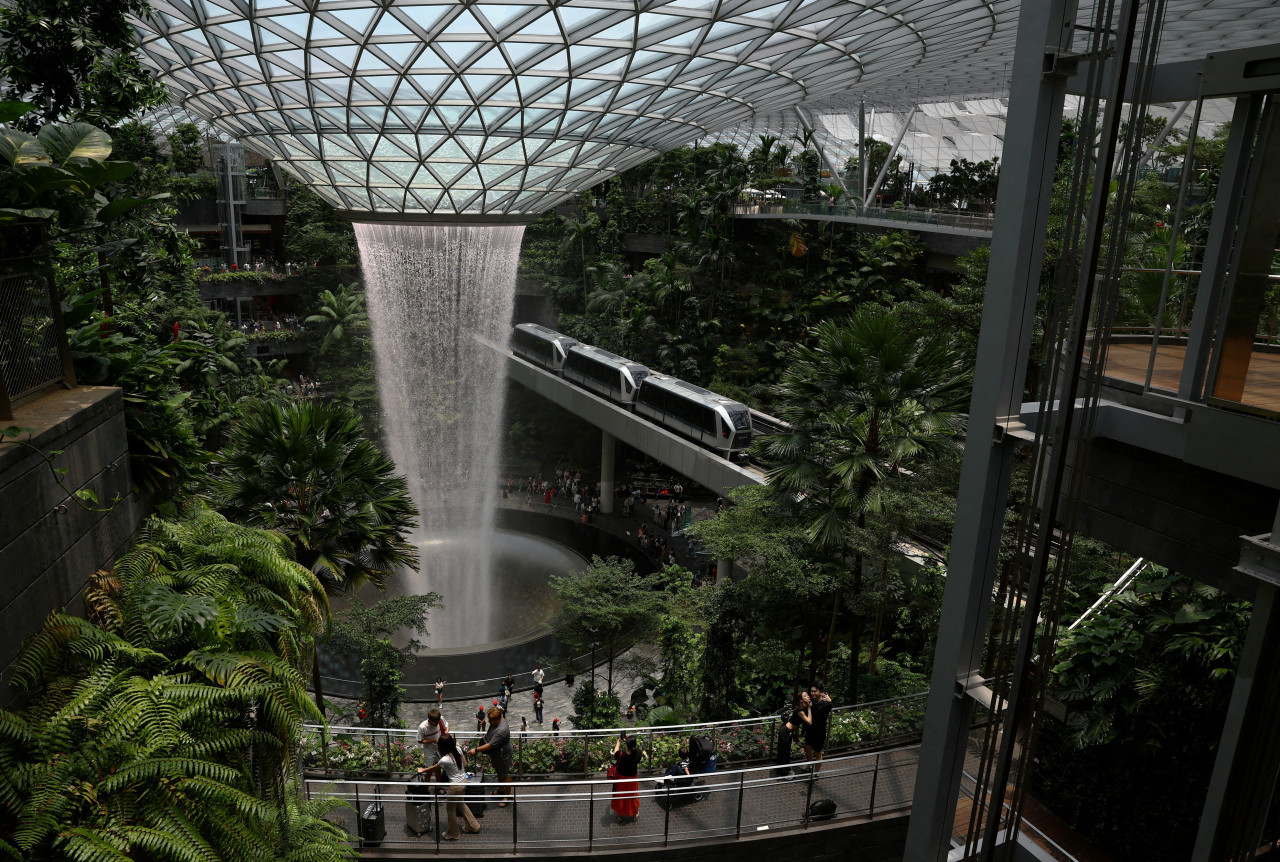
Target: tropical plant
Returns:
[[75, 61], [868, 400], [304, 468], [166, 725], [607, 607], [577, 229], [364, 633], [338, 312], [58, 172]]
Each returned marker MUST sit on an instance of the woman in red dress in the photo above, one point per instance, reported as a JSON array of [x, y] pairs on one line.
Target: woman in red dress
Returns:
[[626, 790]]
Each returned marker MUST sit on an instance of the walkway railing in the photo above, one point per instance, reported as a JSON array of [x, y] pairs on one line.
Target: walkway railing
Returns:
[[464, 690], [963, 221], [555, 817], [364, 751]]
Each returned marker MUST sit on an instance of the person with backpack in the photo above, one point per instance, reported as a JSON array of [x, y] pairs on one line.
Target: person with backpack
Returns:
[[790, 729]]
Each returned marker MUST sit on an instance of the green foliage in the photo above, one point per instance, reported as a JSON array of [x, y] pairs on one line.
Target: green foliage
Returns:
[[594, 708], [364, 633], [1146, 680], [337, 313], [313, 232], [607, 607], [75, 61], [166, 725], [61, 171], [306, 469], [186, 149]]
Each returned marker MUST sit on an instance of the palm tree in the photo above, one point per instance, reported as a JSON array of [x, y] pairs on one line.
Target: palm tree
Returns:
[[577, 228], [866, 400], [304, 468], [339, 312]]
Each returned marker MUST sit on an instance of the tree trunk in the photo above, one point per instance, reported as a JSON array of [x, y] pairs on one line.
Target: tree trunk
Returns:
[[875, 632], [831, 636], [315, 680]]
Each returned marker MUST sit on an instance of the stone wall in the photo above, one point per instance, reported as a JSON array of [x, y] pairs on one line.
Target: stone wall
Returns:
[[49, 542]]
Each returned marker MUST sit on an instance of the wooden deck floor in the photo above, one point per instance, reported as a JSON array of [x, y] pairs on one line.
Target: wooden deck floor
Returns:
[[1129, 362]]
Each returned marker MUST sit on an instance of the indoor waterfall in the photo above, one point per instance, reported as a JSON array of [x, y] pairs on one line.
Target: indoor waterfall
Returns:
[[430, 289]]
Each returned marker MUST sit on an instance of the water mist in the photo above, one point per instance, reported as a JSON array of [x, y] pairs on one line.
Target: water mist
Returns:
[[430, 289]]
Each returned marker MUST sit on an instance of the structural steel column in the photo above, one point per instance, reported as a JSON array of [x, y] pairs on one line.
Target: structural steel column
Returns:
[[862, 152], [1247, 766], [1037, 90], [607, 442], [884, 169]]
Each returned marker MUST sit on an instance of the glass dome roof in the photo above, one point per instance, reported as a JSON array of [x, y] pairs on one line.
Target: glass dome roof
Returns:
[[509, 108]]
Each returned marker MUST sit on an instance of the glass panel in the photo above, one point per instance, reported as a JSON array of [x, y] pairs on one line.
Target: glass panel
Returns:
[[1247, 363]]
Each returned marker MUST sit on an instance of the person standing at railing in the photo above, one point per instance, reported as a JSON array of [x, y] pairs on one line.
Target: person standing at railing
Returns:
[[497, 744], [538, 675], [820, 712], [626, 789], [800, 718], [453, 766]]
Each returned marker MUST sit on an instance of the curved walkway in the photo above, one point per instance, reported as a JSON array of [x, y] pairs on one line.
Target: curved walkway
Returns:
[[557, 817]]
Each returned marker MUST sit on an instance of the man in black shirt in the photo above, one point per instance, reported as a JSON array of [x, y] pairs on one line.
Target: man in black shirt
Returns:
[[816, 737]]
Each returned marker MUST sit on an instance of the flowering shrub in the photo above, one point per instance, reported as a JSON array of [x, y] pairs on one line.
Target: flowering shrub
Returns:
[[736, 745]]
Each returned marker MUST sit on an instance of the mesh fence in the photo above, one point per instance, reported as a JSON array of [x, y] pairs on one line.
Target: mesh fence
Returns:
[[561, 816], [29, 354]]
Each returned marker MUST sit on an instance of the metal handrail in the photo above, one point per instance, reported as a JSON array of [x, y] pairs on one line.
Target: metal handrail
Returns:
[[613, 731], [386, 751], [841, 779], [969, 221]]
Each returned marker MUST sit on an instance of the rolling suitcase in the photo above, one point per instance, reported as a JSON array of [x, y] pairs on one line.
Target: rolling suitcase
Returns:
[[418, 806], [373, 824]]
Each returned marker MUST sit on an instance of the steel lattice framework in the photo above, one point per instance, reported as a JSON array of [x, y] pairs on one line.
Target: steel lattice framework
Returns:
[[508, 108], [502, 108]]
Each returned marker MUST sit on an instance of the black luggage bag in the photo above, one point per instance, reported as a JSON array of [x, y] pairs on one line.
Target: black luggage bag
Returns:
[[373, 824]]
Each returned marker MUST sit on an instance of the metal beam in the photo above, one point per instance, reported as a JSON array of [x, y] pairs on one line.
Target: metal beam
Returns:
[[1164, 134], [884, 169], [1026, 181], [807, 124], [862, 151]]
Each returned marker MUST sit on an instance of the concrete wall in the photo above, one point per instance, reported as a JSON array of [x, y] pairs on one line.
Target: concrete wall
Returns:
[[1176, 514], [49, 543]]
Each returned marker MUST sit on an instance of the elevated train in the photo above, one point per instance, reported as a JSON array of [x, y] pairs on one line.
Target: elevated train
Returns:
[[695, 413]]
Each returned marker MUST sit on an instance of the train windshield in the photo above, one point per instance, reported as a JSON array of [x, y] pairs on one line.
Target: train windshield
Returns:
[[741, 419]]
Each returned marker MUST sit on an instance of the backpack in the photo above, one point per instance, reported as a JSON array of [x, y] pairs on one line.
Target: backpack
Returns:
[[701, 750], [822, 809]]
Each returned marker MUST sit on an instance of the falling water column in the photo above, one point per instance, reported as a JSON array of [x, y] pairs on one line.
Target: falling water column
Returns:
[[431, 290]]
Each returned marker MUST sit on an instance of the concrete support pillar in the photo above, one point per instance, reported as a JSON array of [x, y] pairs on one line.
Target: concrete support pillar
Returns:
[[607, 442], [724, 570]]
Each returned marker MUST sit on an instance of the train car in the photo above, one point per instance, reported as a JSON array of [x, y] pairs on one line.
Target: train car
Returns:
[[604, 373], [691, 411], [541, 346]]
